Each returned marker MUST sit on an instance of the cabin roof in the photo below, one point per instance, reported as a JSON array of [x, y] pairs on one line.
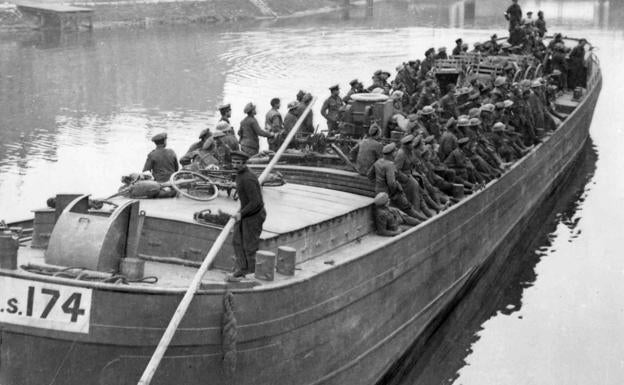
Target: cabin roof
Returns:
[[289, 207]]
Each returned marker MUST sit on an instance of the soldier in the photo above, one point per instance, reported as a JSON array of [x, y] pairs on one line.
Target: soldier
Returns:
[[383, 81], [389, 219], [448, 103], [428, 63], [330, 109], [540, 24], [463, 167], [222, 151], [229, 139], [404, 162], [448, 140], [429, 120], [356, 88], [377, 83], [307, 127], [367, 151], [501, 144], [226, 112], [559, 63], [427, 96], [514, 15], [188, 157], [578, 72], [300, 95], [203, 158], [274, 123], [250, 131], [442, 55], [161, 162], [249, 220], [457, 50], [383, 174], [291, 116]]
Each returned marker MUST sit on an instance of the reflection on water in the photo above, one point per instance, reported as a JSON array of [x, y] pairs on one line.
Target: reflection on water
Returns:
[[77, 111], [501, 291]]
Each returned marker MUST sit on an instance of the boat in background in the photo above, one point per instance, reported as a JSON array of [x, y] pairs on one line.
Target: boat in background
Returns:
[[345, 309]]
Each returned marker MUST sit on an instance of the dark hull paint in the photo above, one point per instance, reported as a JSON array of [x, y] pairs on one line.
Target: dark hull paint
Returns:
[[347, 325]]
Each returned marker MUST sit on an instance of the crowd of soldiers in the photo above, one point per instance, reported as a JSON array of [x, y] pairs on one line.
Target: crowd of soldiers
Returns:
[[447, 148]]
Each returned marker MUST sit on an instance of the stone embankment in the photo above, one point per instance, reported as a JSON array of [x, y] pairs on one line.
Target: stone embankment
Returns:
[[112, 13]]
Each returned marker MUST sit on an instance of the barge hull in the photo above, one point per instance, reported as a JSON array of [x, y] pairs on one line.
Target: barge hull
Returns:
[[345, 325]]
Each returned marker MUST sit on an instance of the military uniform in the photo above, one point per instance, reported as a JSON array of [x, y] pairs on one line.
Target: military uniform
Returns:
[[274, 123], [368, 151], [514, 15], [331, 110], [405, 166], [249, 133], [161, 162], [229, 139], [448, 105], [246, 237]]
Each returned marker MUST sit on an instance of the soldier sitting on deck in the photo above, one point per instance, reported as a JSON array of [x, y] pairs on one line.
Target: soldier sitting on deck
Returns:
[[161, 162], [384, 175], [191, 152], [367, 151], [388, 220]]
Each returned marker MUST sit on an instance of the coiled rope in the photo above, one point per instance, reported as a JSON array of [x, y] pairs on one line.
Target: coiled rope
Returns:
[[229, 335]]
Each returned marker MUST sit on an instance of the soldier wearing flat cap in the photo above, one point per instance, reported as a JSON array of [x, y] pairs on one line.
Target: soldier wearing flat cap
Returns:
[[250, 131], [384, 175], [388, 220], [162, 161], [330, 109], [368, 150], [250, 218]]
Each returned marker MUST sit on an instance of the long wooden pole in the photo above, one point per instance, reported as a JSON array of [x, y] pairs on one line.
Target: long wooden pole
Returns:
[[165, 340]]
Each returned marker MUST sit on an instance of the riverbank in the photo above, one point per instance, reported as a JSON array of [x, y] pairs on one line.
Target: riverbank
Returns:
[[133, 13]]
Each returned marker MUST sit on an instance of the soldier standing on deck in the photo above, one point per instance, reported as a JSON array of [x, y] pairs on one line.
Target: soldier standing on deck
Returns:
[[249, 220], [274, 123], [458, 47], [540, 24], [513, 15], [161, 162], [331, 109], [250, 131]]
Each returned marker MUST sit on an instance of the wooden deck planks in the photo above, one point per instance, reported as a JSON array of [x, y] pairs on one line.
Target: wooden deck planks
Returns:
[[289, 208]]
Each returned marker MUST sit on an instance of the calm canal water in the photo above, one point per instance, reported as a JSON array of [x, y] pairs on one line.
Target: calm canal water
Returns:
[[77, 112]]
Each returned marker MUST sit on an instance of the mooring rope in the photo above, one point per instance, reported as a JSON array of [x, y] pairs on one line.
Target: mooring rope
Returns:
[[229, 335]]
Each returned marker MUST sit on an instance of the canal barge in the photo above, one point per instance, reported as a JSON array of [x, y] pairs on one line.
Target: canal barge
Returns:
[[342, 312]]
